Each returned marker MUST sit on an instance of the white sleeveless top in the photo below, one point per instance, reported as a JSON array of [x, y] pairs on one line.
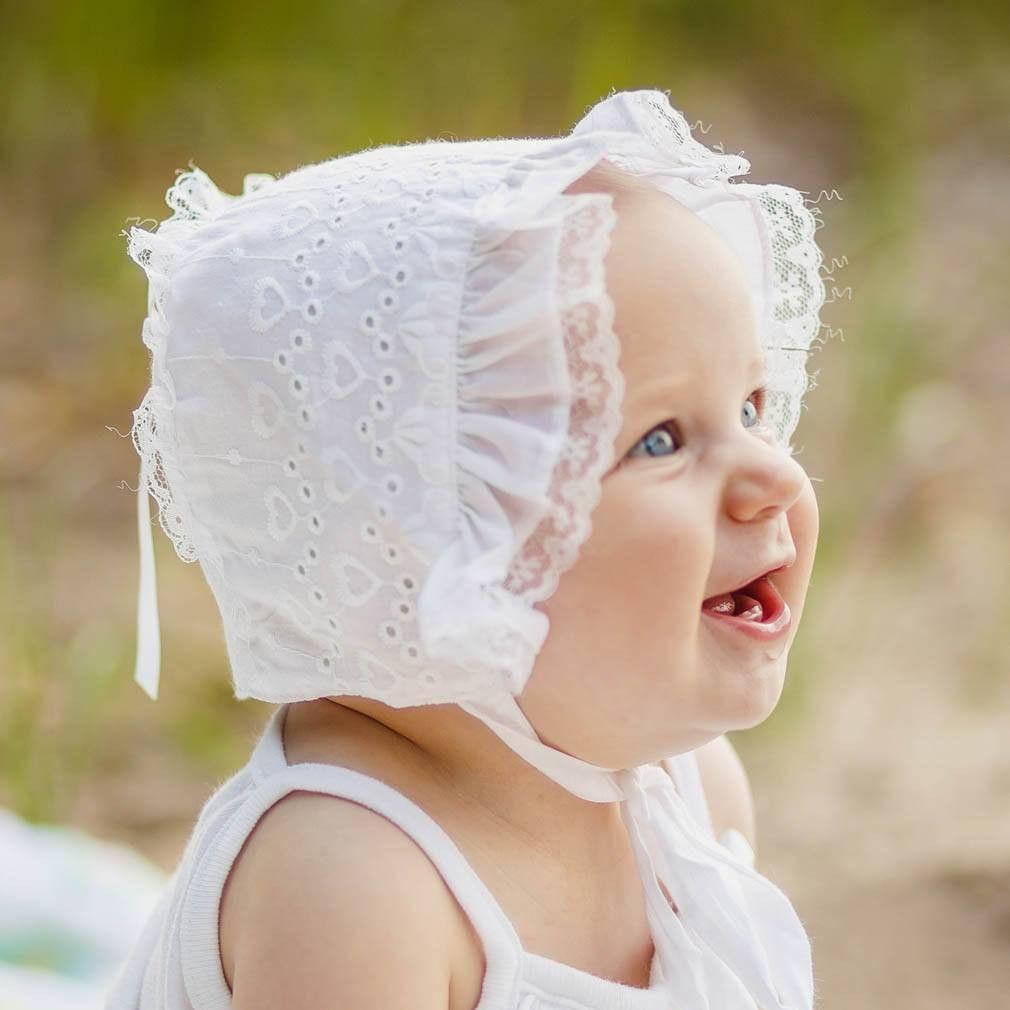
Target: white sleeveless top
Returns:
[[176, 962]]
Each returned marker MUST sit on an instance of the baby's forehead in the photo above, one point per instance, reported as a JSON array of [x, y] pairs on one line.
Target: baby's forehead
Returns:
[[654, 231], [686, 311], [664, 259]]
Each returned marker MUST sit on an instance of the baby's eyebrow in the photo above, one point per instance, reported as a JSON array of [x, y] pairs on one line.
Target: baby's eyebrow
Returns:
[[657, 395], [661, 393]]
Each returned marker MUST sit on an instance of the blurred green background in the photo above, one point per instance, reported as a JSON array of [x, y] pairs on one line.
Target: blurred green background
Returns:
[[882, 782]]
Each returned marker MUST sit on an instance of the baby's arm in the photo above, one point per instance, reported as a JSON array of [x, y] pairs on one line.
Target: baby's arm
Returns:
[[727, 789], [332, 905]]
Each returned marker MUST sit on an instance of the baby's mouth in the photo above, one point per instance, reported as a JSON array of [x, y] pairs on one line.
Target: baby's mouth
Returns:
[[737, 605], [758, 601]]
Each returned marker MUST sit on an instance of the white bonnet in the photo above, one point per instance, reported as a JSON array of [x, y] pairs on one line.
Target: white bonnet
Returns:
[[384, 388]]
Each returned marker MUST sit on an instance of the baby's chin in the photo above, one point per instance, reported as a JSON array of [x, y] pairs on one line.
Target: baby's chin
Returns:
[[739, 701], [747, 697]]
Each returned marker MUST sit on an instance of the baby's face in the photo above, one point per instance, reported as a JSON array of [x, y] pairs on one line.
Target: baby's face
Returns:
[[699, 500]]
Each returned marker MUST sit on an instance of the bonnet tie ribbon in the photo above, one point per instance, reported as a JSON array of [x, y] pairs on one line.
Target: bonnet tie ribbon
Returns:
[[148, 663], [733, 941]]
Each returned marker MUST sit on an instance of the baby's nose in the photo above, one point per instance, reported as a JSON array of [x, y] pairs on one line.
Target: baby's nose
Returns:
[[765, 481]]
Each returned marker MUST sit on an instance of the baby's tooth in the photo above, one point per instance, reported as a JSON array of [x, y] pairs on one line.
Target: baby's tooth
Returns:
[[748, 609]]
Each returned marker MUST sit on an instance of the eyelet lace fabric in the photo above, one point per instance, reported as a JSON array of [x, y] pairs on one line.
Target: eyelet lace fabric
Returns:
[[384, 392]]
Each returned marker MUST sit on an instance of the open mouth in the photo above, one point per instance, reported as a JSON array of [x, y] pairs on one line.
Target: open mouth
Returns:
[[759, 602]]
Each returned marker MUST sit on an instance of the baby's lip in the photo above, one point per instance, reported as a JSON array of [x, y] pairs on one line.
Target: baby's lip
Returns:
[[776, 565], [774, 619]]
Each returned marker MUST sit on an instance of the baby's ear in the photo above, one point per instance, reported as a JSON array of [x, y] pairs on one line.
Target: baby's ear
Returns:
[[727, 789]]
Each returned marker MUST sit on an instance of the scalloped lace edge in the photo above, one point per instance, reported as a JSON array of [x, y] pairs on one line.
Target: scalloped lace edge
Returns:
[[194, 199], [592, 348]]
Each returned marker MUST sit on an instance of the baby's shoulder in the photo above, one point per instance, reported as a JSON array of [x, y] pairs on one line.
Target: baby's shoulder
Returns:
[[328, 890]]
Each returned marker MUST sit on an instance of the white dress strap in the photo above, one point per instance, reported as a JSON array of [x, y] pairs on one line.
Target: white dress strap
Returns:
[[201, 965]]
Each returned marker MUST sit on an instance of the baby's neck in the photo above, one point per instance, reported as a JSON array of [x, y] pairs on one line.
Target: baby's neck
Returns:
[[443, 748]]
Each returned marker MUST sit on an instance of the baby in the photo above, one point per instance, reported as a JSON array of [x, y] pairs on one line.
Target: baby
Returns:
[[483, 449]]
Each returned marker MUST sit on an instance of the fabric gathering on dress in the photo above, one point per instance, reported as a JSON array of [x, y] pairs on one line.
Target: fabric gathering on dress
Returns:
[[384, 389]]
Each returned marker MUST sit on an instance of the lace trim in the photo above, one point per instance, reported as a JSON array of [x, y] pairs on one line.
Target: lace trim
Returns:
[[798, 295], [670, 132], [593, 350], [150, 419], [194, 200]]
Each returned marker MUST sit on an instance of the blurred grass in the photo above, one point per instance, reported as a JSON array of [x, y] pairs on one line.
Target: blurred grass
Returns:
[[900, 108], [52, 726]]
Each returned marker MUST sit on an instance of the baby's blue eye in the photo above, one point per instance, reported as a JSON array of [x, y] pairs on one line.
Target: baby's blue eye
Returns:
[[656, 440], [663, 435], [757, 410], [754, 411]]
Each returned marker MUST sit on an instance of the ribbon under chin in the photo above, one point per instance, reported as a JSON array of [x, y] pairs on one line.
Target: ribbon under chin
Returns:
[[735, 940], [148, 662]]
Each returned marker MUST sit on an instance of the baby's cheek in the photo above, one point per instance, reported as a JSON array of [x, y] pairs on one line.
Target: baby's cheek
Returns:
[[611, 564], [648, 555]]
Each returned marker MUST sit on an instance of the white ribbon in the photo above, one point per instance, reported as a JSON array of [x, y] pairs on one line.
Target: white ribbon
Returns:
[[148, 663], [735, 941]]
